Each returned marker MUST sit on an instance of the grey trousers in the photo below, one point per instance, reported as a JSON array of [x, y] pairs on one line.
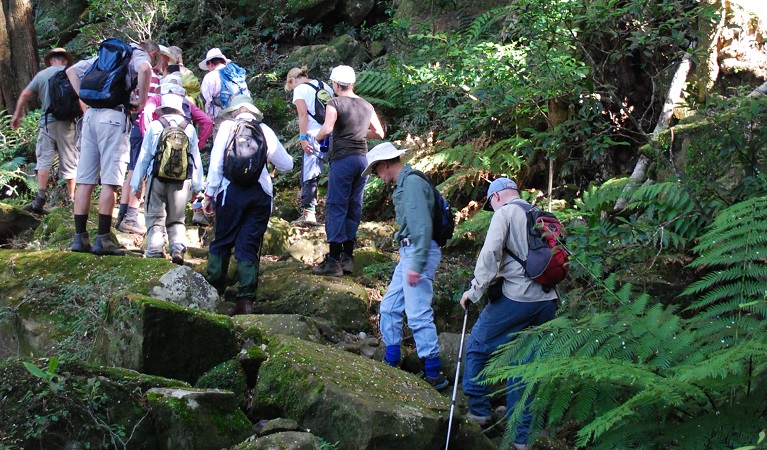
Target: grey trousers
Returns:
[[165, 211]]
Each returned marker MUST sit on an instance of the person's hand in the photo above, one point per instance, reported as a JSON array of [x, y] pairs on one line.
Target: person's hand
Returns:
[[15, 122], [136, 191], [412, 277], [465, 300], [207, 206], [307, 145]]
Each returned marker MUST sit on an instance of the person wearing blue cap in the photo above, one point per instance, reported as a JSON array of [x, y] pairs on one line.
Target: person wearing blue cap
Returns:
[[523, 303]]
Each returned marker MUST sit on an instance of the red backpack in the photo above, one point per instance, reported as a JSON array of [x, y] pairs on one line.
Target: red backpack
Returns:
[[547, 260]]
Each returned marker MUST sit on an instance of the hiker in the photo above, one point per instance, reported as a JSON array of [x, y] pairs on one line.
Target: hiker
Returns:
[[168, 180], [305, 95], [55, 135], [172, 84], [523, 304], [127, 214], [189, 80], [164, 62], [410, 291], [104, 145], [352, 120], [243, 203], [215, 90]]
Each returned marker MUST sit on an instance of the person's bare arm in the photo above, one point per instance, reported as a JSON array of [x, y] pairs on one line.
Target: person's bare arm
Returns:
[[375, 131], [21, 103]]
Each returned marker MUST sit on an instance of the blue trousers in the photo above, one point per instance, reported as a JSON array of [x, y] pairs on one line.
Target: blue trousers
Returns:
[[494, 327], [241, 222], [413, 301], [343, 206]]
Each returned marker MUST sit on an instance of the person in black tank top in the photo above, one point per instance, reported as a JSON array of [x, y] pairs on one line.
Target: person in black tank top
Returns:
[[352, 120]]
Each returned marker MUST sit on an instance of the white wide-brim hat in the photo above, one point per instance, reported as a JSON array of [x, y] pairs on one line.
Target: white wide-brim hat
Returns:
[[171, 84], [171, 104], [239, 101], [215, 52], [381, 152]]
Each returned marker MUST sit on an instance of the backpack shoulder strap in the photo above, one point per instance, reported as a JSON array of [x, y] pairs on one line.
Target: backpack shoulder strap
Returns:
[[526, 207], [164, 122]]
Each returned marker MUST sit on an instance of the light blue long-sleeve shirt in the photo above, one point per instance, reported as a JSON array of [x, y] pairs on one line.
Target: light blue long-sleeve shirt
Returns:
[[149, 148]]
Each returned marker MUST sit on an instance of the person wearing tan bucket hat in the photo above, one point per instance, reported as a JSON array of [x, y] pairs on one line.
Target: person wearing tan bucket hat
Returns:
[[55, 135], [411, 288]]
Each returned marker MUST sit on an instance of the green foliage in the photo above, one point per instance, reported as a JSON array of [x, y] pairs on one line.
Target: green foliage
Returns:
[[16, 150]]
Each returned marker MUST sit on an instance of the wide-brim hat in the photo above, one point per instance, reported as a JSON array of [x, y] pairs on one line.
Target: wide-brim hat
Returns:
[[171, 84], [171, 104], [165, 52], [381, 152], [498, 185], [239, 101], [215, 52], [58, 51]]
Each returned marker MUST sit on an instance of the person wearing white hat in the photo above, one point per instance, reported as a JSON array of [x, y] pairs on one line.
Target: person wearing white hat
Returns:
[[242, 209], [165, 200], [352, 120], [524, 303], [411, 288], [54, 136], [211, 82]]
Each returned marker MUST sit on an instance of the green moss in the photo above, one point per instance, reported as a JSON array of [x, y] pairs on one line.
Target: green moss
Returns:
[[227, 376], [256, 353]]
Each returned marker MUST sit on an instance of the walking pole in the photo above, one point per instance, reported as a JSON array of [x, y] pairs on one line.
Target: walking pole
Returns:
[[457, 373]]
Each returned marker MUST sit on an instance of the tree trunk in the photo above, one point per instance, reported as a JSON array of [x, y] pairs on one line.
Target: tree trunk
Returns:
[[672, 98], [19, 61]]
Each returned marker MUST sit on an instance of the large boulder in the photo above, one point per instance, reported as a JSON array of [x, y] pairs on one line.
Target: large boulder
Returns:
[[183, 286], [285, 440], [357, 402], [161, 338], [296, 325], [15, 221], [197, 419], [354, 11], [288, 287], [52, 297], [76, 405]]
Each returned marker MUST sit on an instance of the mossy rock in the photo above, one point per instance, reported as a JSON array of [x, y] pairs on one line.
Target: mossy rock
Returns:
[[70, 412], [49, 293], [350, 51], [288, 287], [276, 238], [358, 402], [58, 227], [295, 325], [318, 59], [161, 338], [15, 221], [286, 440], [227, 376], [197, 418]]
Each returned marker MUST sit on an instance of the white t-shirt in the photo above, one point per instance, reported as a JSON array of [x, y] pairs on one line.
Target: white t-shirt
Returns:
[[307, 93]]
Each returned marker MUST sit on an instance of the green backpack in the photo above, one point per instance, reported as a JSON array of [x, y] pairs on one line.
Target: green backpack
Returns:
[[173, 160]]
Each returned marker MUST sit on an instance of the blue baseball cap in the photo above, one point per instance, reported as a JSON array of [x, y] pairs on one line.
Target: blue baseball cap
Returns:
[[498, 185]]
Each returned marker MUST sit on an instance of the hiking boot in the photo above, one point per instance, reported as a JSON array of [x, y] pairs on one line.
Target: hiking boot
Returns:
[[347, 263], [307, 218], [330, 267], [131, 225], [177, 256], [37, 204], [81, 243], [241, 306], [439, 382], [199, 219], [103, 245], [482, 421]]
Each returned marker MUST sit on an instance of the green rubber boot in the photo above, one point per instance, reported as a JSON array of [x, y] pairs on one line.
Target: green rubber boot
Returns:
[[216, 271]]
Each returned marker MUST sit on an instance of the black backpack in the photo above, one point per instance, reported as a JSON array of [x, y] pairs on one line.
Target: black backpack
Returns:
[[245, 155], [321, 98], [65, 104], [104, 85], [443, 222]]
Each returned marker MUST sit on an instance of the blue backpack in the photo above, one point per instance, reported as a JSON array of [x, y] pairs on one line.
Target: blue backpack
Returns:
[[233, 83], [104, 85]]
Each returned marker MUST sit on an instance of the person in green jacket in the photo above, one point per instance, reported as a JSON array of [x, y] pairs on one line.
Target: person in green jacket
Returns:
[[411, 288]]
